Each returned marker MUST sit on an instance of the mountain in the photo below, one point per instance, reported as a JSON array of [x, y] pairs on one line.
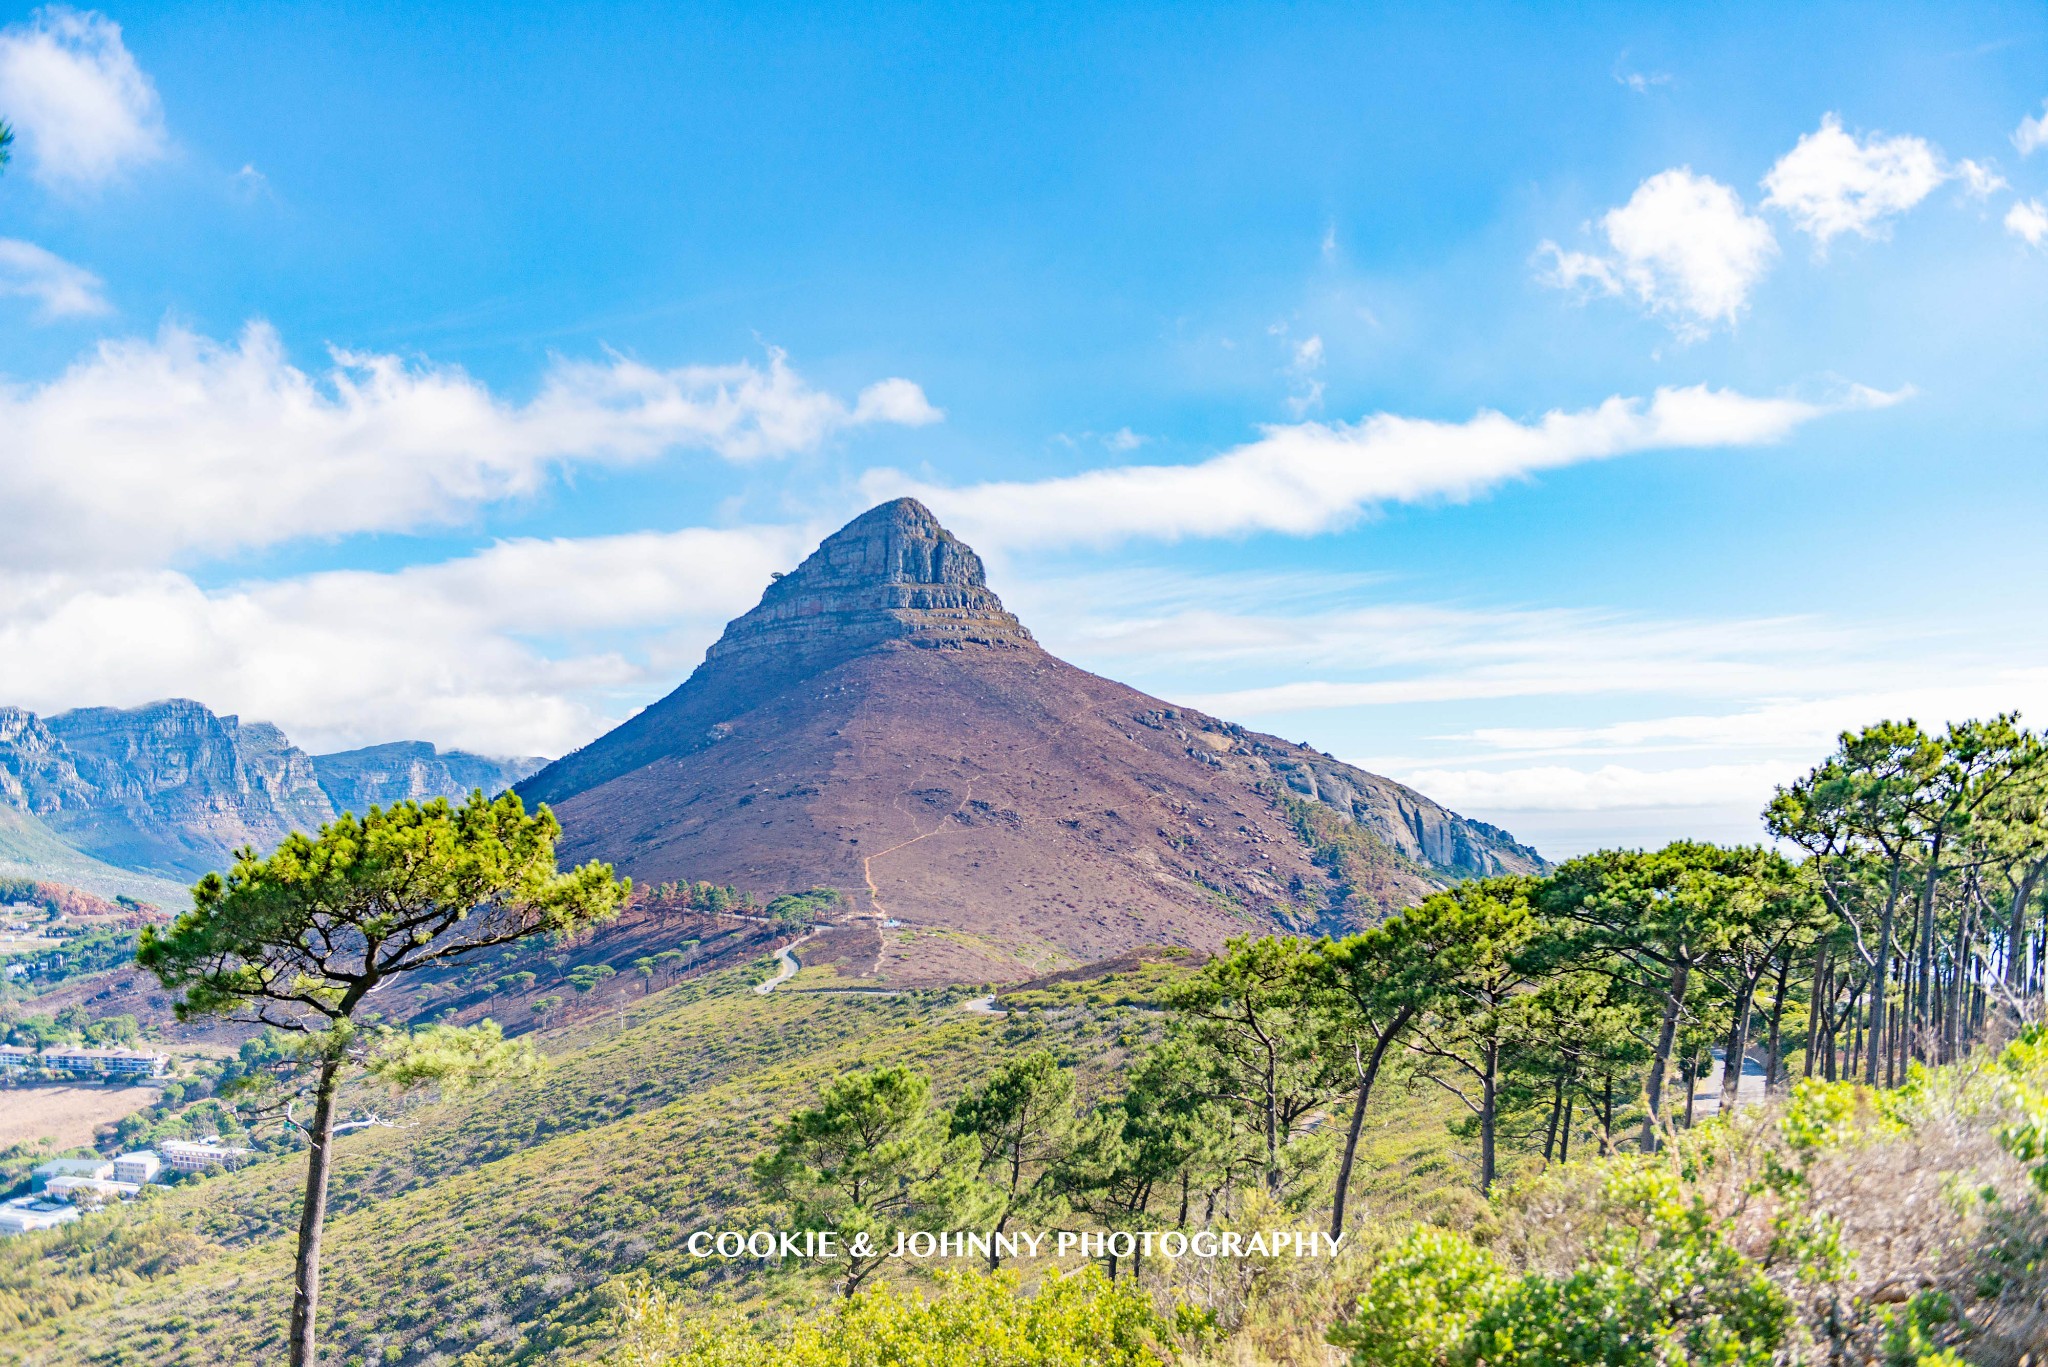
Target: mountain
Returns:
[[882, 725], [379, 775], [143, 800]]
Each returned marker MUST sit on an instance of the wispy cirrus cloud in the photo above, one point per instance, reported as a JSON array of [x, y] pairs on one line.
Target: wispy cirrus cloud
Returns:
[[84, 109], [59, 289], [148, 449], [1312, 477]]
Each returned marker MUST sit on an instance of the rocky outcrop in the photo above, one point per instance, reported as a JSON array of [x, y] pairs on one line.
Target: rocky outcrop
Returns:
[[1407, 822], [36, 775], [893, 573], [379, 775]]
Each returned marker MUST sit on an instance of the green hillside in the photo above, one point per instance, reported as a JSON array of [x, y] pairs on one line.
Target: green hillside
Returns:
[[29, 848], [491, 1226]]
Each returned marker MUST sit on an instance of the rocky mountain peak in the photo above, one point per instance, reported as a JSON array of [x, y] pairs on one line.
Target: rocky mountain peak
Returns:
[[893, 573]]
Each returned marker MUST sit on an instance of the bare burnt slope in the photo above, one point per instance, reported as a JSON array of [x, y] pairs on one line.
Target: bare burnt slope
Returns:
[[880, 725]]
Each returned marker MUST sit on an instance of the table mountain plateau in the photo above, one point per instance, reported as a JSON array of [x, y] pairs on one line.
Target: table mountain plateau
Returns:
[[881, 725], [143, 800]]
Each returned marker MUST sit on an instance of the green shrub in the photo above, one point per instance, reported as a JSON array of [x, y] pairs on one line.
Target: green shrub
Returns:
[[977, 1319], [1661, 1286]]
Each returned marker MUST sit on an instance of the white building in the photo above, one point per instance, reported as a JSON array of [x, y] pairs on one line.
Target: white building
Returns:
[[45, 1173], [25, 1213], [107, 1062], [183, 1156], [88, 1191], [140, 1167]]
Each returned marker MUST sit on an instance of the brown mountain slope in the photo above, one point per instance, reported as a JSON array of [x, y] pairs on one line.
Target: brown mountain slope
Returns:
[[880, 725]]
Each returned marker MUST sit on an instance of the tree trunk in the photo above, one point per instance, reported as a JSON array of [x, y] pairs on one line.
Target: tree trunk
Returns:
[[1564, 1137], [313, 1216], [1736, 1051], [1818, 1019], [1667, 1031], [1778, 1021], [2016, 929], [1923, 1000], [1365, 1085], [1487, 1108], [1556, 1109], [1880, 972], [1272, 1127], [1952, 1018]]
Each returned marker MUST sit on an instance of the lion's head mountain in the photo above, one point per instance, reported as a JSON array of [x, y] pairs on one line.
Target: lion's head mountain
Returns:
[[879, 724]]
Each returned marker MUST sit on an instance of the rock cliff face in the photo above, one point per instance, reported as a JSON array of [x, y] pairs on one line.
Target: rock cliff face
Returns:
[[379, 775], [891, 574], [172, 789], [881, 724]]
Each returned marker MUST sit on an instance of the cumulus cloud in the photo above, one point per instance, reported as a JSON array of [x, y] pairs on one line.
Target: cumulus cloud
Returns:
[[60, 289], [1684, 247], [84, 110], [2029, 220], [2032, 134], [528, 647], [1831, 183], [1314, 477], [148, 449]]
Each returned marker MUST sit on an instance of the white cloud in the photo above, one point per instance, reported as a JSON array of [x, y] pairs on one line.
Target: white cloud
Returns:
[[148, 449], [1683, 246], [1123, 439], [2029, 220], [84, 110], [1608, 788], [528, 647], [60, 289], [1315, 477], [1577, 270], [2032, 134], [1804, 727], [1978, 179], [1830, 183], [1306, 368]]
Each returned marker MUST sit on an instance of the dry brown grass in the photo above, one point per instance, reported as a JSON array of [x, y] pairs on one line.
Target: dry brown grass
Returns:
[[65, 1115]]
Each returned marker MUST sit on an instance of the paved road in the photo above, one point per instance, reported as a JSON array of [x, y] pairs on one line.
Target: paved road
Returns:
[[789, 966]]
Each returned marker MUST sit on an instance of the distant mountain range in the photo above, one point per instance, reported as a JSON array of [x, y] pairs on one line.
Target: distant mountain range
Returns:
[[143, 800], [881, 725]]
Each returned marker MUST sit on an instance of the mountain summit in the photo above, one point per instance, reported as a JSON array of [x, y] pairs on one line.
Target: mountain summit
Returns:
[[891, 574], [880, 724]]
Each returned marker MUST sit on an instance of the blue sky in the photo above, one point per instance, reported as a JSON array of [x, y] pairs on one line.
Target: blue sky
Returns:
[[1580, 412]]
